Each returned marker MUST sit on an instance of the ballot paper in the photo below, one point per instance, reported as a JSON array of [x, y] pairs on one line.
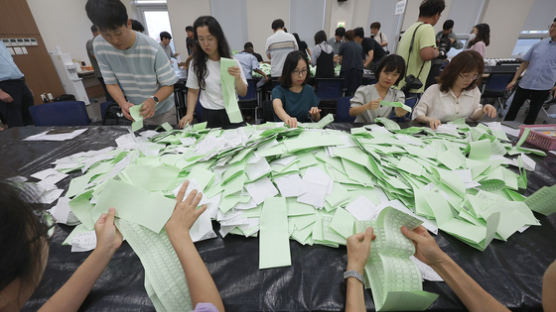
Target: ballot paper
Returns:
[[45, 136]]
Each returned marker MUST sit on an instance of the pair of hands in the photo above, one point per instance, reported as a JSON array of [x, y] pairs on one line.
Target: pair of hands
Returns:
[[374, 104], [313, 113], [109, 238], [147, 110], [426, 249]]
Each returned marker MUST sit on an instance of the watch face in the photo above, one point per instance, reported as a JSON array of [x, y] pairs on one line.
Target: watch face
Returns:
[[155, 99]]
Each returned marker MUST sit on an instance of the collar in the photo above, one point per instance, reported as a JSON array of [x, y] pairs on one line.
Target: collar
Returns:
[[452, 94]]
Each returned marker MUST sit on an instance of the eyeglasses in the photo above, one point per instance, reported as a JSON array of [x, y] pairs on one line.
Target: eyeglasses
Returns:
[[207, 39], [469, 76], [300, 72]]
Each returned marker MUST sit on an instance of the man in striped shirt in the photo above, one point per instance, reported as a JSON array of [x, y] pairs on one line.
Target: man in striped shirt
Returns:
[[132, 63]]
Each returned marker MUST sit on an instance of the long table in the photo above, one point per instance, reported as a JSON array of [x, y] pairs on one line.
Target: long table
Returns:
[[511, 271]]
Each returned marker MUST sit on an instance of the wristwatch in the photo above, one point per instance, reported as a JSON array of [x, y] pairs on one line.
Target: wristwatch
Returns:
[[155, 99], [355, 274]]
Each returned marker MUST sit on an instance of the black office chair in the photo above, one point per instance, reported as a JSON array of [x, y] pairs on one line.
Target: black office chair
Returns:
[[249, 104], [495, 88]]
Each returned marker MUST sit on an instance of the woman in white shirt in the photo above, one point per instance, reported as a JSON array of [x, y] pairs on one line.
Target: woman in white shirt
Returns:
[[456, 95], [204, 74], [480, 38]]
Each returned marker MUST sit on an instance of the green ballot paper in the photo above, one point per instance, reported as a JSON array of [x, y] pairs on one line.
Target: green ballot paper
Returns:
[[228, 90], [394, 279], [135, 112], [396, 104]]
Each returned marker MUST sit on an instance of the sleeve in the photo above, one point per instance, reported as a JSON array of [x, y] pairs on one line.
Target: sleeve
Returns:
[[422, 107], [278, 94], [192, 81], [241, 71], [205, 307], [527, 56], [425, 37], [383, 37], [266, 46], [105, 69], [400, 96], [316, 54], [358, 98], [164, 72]]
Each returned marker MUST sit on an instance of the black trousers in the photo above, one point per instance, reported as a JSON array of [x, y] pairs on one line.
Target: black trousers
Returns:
[[217, 118], [537, 98], [16, 113], [352, 80]]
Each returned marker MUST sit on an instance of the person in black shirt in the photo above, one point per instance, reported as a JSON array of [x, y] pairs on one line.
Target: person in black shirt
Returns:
[[349, 55], [372, 51]]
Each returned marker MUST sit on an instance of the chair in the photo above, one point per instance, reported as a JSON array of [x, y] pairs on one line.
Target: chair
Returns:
[[249, 103], [71, 113], [329, 88], [495, 87], [342, 111]]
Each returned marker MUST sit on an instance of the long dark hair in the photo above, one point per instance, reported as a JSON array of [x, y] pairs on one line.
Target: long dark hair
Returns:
[[465, 62], [21, 236], [483, 34], [199, 56], [289, 66]]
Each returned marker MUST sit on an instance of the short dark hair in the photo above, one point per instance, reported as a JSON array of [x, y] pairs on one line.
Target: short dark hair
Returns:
[[189, 28], [375, 25], [448, 24], [164, 35], [350, 34], [94, 29], [106, 14], [359, 32], [289, 66], [320, 36], [391, 63], [21, 236], [340, 31], [464, 62], [137, 26], [430, 8], [277, 23], [248, 45]]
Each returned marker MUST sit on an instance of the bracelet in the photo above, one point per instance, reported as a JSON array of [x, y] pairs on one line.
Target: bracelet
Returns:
[[355, 274]]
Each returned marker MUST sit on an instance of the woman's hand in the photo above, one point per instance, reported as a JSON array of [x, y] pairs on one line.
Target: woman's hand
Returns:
[[108, 237], [359, 250], [291, 122], [235, 72], [185, 212], [489, 110], [374, 104]]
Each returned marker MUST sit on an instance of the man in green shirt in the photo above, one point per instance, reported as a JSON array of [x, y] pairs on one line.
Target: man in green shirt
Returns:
[[424, 44]]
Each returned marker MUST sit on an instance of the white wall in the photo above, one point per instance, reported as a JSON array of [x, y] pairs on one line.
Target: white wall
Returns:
[[355, 13], [63, 23], [183, 13], [260, 14], [505, 25]]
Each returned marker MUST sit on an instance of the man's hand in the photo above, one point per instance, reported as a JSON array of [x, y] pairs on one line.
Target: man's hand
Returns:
[[147, 110], [125, 110], [5, 97], [510, 85], [185, 120]]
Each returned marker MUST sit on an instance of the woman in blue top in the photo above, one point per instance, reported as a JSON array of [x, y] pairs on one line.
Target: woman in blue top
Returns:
[[293, 100]]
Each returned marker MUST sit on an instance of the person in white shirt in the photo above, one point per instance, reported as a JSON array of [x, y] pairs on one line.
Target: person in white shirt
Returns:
[[204, 74], [378, 35], [456, 95], [278, 46]]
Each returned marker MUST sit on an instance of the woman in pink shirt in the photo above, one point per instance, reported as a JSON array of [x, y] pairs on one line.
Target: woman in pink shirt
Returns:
[[480, 38]]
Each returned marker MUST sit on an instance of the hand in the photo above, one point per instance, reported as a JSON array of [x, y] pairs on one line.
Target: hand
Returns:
[[510, 85], [234, 71], [359, 249], [399, 112], [108, 237], [553, 92], [314, 112], [374, 104], [185, 213], [5, 97], [426, 248], [452, 40], [434, 123], [125, 110], [185, 120], [291, 122], [489, 110], [176, 54], [147, 110]]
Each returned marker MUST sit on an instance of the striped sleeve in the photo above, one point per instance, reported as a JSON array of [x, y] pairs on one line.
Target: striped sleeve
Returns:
[[164, 72], [105, 69]]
